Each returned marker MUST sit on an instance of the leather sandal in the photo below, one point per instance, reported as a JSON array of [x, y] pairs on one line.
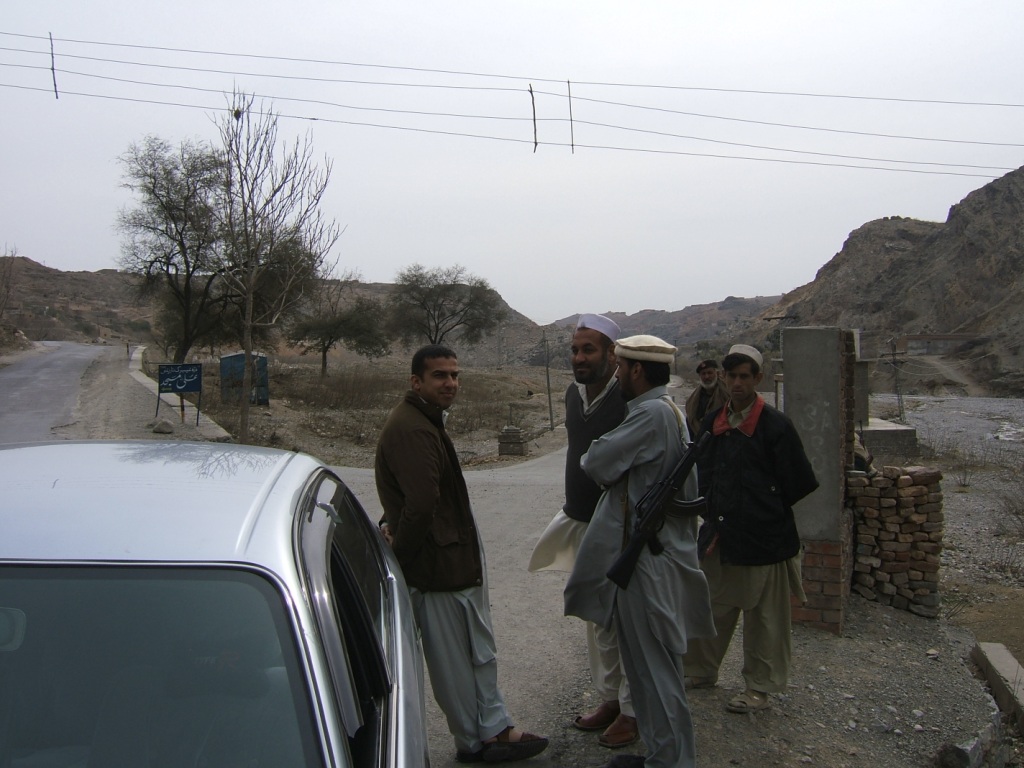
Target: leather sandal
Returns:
[[748, 701], [621, 733], [599, 719]]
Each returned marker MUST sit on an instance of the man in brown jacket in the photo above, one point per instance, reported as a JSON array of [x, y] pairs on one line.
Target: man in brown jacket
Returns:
[[429, 523], [709, 395]]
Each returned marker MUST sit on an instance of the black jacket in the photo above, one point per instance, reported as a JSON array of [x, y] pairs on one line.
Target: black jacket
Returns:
[[752, 476]]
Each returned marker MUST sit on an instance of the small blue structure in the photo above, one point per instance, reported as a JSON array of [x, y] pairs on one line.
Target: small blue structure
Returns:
[[232, 369]]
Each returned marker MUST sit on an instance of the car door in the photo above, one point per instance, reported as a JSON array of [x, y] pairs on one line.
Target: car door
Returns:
[[369, 632]]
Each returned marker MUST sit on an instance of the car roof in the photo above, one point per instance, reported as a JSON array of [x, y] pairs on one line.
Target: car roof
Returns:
[[146, 501]]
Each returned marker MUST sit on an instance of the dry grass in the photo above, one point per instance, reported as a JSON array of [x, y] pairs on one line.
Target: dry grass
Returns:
[[338, 417]]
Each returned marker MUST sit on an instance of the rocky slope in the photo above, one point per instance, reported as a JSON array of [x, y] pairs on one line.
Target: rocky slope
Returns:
[[898, 276], [893, 277]]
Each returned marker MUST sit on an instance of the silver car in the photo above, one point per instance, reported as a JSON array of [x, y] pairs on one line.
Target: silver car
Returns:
[[198, 604]]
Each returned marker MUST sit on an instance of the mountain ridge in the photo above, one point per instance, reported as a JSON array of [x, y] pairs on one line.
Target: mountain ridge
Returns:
[[893, 277]]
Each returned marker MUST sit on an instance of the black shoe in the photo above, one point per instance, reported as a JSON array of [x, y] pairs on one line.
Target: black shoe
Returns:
[[510, 751], [626, 761]]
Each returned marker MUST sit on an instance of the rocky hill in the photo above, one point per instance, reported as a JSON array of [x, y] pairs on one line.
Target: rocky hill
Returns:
[[959, 283], [961, 279], [692, 325], [47, 303]]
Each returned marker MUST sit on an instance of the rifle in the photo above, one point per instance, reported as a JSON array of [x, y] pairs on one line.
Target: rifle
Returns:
[[651, 510]]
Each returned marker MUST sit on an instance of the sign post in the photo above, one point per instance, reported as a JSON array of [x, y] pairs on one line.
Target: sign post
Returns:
[[177, 379]]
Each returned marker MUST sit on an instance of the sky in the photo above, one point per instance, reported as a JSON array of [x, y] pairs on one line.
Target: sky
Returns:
[[580, 156]]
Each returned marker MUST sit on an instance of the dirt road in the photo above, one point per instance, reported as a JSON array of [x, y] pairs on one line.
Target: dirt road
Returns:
[[888, 693]]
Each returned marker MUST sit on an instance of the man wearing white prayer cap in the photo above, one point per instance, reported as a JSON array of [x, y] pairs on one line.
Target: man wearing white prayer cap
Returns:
[[666, 603], [593, 406], [752, 472]]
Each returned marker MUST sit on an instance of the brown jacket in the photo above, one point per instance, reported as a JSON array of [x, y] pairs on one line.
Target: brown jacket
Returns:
[[695, 414], [425, 501]]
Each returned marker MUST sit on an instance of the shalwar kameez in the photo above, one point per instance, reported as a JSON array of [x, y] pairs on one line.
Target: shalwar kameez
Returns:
[[426, 504], [585, 420], [666, 603]]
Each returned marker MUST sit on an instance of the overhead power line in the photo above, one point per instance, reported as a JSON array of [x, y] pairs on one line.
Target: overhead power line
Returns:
[[859, 161], [495, 89], [513, 140], [525, 78], [322, 102]]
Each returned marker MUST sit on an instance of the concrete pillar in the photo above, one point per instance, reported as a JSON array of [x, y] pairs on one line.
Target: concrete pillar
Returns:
[[814, 401], [862, 392]]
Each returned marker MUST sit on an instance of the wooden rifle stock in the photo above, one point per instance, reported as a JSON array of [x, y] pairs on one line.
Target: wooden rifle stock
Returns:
[[650, 514]]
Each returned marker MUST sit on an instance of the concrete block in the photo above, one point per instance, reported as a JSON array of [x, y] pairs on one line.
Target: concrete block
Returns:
[[1005, 677]]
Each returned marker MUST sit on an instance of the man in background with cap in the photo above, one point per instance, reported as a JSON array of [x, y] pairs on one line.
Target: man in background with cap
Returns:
[[752, 472], [593, 406], [666, 603], [709, 395]]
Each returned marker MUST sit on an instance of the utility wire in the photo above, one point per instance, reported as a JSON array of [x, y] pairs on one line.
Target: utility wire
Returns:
[[458, 134], [796, 151], [426, 70], [611, 126], [795, 126], [464, 116], [494, 89]]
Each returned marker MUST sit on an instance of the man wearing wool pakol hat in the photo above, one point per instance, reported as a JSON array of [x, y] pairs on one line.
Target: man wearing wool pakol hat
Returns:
[[709, 395], [666, 604], [752, 472], [593, 406]]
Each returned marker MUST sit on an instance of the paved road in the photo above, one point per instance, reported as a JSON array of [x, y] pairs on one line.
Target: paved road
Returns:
[[39, 391]]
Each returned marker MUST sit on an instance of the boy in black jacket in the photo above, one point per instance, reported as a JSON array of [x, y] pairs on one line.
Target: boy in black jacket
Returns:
[[752, 472]]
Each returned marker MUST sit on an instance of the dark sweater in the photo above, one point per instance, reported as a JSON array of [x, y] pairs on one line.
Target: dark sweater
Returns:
[[582, 493]]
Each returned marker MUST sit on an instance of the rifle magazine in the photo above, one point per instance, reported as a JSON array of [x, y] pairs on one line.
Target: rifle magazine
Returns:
[[687, 508]]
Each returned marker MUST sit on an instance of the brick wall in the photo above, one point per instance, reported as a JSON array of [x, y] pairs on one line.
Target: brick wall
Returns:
[[898, 525], [826, 580], [890, 533]]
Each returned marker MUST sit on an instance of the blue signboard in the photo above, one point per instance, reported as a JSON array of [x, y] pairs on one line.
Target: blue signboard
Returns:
[[180, 378]]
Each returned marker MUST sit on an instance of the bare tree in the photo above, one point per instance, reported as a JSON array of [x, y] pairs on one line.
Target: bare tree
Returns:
[[432, 304], [276, 237], [171, 238], [6, 277]]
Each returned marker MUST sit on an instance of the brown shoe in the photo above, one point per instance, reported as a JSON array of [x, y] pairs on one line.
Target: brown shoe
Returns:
[[503, 750], [621, 733], [599, 719]]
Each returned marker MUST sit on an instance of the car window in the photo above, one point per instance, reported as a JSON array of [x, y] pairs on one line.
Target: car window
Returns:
[[111, 665], [347, 572], [358, 545]]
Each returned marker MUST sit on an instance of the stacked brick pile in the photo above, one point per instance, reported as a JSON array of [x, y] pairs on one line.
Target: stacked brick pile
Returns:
[[898, 536]]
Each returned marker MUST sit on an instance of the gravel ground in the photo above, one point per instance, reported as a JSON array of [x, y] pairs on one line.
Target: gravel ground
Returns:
[[979, 444], [892, 691]]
